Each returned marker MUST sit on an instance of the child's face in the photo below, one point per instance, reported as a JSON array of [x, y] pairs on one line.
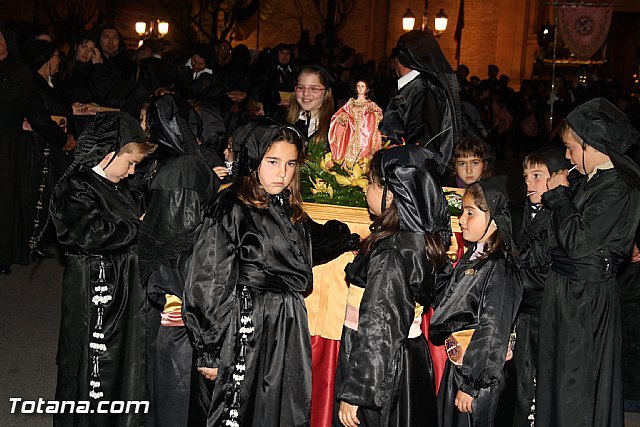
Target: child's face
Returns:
[[374, 198], [473, 221], [310, 92], [574, 153], [122, 166], [469, 169], [278, 167], [536, 177]]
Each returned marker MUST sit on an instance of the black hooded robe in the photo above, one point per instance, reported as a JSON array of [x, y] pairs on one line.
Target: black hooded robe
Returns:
[[388, 375], [483, 295], [249, 271], [103, 343], [579, 366], [180, 193], [88, 202]]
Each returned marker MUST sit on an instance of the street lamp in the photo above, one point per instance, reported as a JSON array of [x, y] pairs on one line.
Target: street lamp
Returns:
[[141, 28], [441, 21], [155, 28], [163, 27], [408, 20]]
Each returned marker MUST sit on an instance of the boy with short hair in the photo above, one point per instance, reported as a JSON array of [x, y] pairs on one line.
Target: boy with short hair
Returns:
[[533, 243], [103, 349], [593, 223]]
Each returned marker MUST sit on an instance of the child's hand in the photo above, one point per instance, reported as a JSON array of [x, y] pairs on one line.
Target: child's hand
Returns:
[[221, 171], [464, 402], [557, 179], [348, 415], [209, 373]]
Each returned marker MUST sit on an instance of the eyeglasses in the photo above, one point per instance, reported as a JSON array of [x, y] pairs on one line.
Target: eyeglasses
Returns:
[[312, 89]]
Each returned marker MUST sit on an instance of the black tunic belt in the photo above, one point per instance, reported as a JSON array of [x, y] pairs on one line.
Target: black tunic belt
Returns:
[[598, 267]]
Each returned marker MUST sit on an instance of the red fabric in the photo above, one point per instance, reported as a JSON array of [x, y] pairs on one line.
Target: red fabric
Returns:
[[324, 361], [438, 353]]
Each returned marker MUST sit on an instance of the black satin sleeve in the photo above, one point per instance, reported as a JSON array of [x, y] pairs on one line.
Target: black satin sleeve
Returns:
[[579, 234], [404, 118], [94, 216], [209, 296], [386, 314], [330, 240], [484, 359]]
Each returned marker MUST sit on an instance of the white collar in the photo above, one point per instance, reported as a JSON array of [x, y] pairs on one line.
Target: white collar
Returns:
[[313, 122], [206, 70], [402, 81], [155, 55], [604, 166], [97, 169]]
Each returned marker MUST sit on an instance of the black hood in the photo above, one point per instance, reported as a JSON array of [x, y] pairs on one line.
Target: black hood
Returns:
[[252, 141], [495, 193], [603, 126], [409, 173], [39, 52], [109, 131], [420, 51], [174, 125]]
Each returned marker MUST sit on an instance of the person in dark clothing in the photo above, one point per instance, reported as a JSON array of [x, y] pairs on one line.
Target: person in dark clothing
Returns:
[[153, 73], [16, 225], [474, 313], [629, 290], [593, 224], [181, 191], [77, 70], [104, 346], [196, 79], [49, 118], [277, 93], [385, 373], [533, 244], [426, 109], [250, 269], [114, 73], [74, 80]]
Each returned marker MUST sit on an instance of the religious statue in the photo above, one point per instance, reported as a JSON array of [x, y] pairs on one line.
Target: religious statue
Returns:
[[353, 133]]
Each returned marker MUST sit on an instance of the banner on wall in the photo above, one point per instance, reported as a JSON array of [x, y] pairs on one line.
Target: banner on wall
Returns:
[[584, 29]]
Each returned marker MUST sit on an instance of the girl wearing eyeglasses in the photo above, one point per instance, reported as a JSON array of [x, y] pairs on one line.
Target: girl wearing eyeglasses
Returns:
[[313, 107]]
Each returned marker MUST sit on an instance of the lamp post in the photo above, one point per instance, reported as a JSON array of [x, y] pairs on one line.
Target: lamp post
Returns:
[[156, 28], [440, 22]]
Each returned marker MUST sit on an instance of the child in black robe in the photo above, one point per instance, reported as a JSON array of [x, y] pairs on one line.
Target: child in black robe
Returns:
[[476, 310], [385, 372], [244, 296], [593, 223], [533, 243], [103, 346]]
